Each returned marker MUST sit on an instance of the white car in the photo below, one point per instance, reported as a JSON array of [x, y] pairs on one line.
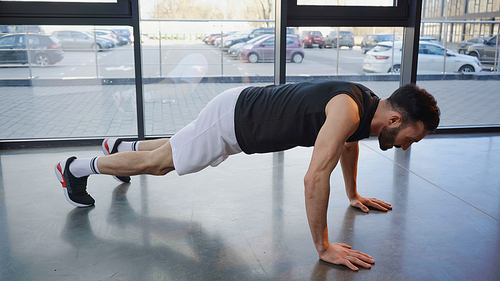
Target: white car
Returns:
[[430, 59]]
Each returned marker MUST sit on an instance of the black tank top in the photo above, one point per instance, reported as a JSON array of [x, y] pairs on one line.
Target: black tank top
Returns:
[[276, 118]]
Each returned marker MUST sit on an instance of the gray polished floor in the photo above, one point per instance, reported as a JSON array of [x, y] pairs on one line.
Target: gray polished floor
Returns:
[[245, 220]]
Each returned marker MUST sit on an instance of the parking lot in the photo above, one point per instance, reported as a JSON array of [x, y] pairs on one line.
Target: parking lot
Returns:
[[185, 58], [102, 110]]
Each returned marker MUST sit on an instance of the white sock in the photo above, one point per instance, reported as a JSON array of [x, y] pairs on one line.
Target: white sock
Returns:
[[128, 146], [84, 167]]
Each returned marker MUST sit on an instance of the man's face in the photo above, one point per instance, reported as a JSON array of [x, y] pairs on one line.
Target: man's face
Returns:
[[401, 136]]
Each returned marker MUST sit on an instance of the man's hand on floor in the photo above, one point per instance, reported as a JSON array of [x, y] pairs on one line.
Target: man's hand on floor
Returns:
[[363, 203], [339, 253]]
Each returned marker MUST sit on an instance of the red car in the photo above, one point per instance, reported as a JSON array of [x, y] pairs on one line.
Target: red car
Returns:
[[213, 37], [310, 39], [208, 38]]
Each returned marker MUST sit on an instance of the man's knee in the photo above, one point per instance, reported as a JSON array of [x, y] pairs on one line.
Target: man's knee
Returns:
[[161, 160]]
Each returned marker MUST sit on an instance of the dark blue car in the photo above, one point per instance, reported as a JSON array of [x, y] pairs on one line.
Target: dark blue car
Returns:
[[124, 34]]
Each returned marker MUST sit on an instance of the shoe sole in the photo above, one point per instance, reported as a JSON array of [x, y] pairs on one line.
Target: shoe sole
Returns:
[[107, 152], [59, 174]]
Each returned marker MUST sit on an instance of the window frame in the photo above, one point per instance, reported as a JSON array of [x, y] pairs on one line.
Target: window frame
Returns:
[[317, 15], [57, 13]]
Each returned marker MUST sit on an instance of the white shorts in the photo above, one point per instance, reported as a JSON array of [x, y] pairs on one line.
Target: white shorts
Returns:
[[209, 139]]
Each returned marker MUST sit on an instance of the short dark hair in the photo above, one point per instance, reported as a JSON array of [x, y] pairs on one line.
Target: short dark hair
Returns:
[[415, 104]]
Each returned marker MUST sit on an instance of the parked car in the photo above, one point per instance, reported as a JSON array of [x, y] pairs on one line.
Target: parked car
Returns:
[[109, 34], [144, 38], [430, 59], [204, 38], [310, 39], [246, 36], [371, 40], [485, 52], [218, 40], [81, 40], [263, 49], [43, 49], [344, 38], [430, 39], [463, 45], [239, 36], [236, 48], [256, 32], [124, 35], [213, 38], [208, 37]]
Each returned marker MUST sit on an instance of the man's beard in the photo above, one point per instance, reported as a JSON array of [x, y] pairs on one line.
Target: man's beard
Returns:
[[387, 137]]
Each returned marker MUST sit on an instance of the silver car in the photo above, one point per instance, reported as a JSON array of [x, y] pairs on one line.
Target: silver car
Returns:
[[463, 45], [81, 40], [485, 52]]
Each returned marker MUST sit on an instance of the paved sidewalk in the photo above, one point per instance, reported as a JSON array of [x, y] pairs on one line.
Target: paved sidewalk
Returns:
[[109, 110]]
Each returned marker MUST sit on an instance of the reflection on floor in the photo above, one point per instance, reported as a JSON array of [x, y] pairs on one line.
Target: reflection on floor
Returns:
[[245, 220]]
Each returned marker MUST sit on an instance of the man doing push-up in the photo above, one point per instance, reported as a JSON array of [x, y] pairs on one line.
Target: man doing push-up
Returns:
[[331, 116]]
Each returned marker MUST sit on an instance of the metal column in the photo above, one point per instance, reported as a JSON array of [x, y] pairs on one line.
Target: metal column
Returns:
[[138, 69], [409, 59], [280, 42]]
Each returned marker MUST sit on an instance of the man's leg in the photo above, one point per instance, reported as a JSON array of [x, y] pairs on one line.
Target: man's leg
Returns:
[[157, 161], [206, 141], [115, 145], [73, 173], [149, 145]]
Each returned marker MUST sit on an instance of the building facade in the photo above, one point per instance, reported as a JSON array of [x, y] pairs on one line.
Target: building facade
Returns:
[[449, 19]]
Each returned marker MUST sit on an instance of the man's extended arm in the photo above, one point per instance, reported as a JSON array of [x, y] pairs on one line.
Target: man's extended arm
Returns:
[[327, 151], [349, 163]]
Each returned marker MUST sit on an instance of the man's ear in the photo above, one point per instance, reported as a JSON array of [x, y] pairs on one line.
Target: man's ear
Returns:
[[395, 120]]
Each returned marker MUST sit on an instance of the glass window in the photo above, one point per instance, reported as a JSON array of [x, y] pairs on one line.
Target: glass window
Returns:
[[7, 41], [386, 37], [62, 34], [71, 89], [434, 50], [35, 40], [345, 51], [79, 35], [464, 99], [269, 42], [188, 62], [422, 49]]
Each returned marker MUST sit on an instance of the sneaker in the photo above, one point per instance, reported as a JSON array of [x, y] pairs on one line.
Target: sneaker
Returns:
[[110, 146], [75, 189]]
